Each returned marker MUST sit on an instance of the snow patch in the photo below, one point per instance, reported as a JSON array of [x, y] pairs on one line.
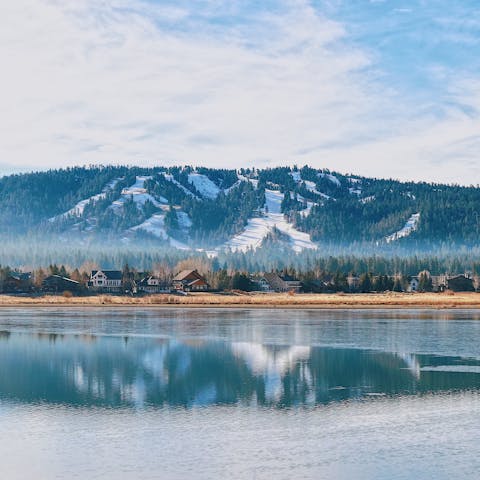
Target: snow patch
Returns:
[[306, 212], [235, 185], [309, 185], [139, 194], [331, 177], [408, 228], [253, 181], [155, 225], [296, 176], [169, 177], [204, 185], [184, 221]]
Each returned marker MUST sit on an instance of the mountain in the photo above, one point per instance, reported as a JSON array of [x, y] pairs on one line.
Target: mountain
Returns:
[[220, 209]]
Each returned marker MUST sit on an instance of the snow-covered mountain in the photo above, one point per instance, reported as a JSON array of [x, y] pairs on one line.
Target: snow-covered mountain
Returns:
[[229, 210]]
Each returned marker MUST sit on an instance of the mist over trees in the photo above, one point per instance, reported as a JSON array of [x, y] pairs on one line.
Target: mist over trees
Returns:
[[347, 216]]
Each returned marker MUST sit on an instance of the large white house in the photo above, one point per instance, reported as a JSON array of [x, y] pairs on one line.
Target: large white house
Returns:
[[106, 280]]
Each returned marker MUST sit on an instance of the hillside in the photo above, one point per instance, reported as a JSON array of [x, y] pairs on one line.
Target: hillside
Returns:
[[227, 210]]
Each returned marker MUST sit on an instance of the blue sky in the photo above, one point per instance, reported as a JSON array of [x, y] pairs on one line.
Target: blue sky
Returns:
[[384, 88]]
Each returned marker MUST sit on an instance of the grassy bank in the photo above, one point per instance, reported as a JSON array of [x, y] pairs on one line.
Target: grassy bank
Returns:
[[339, 300]]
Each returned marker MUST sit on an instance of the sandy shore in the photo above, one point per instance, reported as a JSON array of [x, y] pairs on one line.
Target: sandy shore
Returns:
[[370, 300]]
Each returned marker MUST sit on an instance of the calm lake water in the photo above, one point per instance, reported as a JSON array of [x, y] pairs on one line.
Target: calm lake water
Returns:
[[248, 394]]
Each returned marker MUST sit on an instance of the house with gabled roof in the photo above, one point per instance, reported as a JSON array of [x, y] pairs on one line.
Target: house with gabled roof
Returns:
[[58, 284], [260, 283], [151, 284], [282, 283], [190, 281], [110, 281], [17, 282], [460, 283]]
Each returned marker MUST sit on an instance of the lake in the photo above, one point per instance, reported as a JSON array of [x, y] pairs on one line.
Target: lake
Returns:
[[236, 393]]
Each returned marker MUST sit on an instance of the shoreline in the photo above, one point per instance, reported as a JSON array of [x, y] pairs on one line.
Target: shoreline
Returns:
[[437, 301]]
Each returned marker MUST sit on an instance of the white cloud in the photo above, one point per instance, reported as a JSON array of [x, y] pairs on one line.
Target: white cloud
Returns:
[[128, 82]]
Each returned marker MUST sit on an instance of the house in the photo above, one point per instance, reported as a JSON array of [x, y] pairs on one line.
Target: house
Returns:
[[18, 282], [353, 282], [460, 283], [151, 284], [261, 283], [439, 283], [285, 283], [413, 284], [292, 283], [57, 284], [190, 281], [110, 281]]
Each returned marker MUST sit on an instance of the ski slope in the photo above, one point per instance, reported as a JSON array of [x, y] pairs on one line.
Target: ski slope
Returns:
[[79, 208], [204, 185], [309, 185], [139, 195], [155, 225], [408, 228], [258, 228], [169, 177]]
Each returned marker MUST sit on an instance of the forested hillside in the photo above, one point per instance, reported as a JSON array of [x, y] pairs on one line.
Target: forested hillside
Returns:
[[220, 210]]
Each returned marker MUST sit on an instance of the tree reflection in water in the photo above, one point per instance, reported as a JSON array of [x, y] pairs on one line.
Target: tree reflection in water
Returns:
[[115, 371]]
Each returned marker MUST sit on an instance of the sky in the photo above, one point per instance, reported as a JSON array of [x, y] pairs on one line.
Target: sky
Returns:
[[372, 87]]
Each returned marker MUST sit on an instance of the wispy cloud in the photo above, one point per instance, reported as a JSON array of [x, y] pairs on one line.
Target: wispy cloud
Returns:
[[217, 83]]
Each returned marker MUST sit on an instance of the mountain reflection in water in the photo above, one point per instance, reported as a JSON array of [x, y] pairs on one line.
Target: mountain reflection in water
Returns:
[[112, 371]]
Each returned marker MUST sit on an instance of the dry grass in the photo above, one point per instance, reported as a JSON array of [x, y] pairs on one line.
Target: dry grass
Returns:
[[385, 300]]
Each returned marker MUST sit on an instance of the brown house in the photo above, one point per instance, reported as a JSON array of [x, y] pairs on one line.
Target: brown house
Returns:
[[190, 281]]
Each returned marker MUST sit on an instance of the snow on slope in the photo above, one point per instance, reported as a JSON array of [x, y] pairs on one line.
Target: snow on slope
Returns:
[[255, 231], [313, 188], [309, 185], [258, 228], [139, 194], [331, 177], [169, 177], [296, 176], [253, 181], [184, 221], [204, 185], [235, 185], [306, 212], [79, 208], [155, 225], [408, 228]]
